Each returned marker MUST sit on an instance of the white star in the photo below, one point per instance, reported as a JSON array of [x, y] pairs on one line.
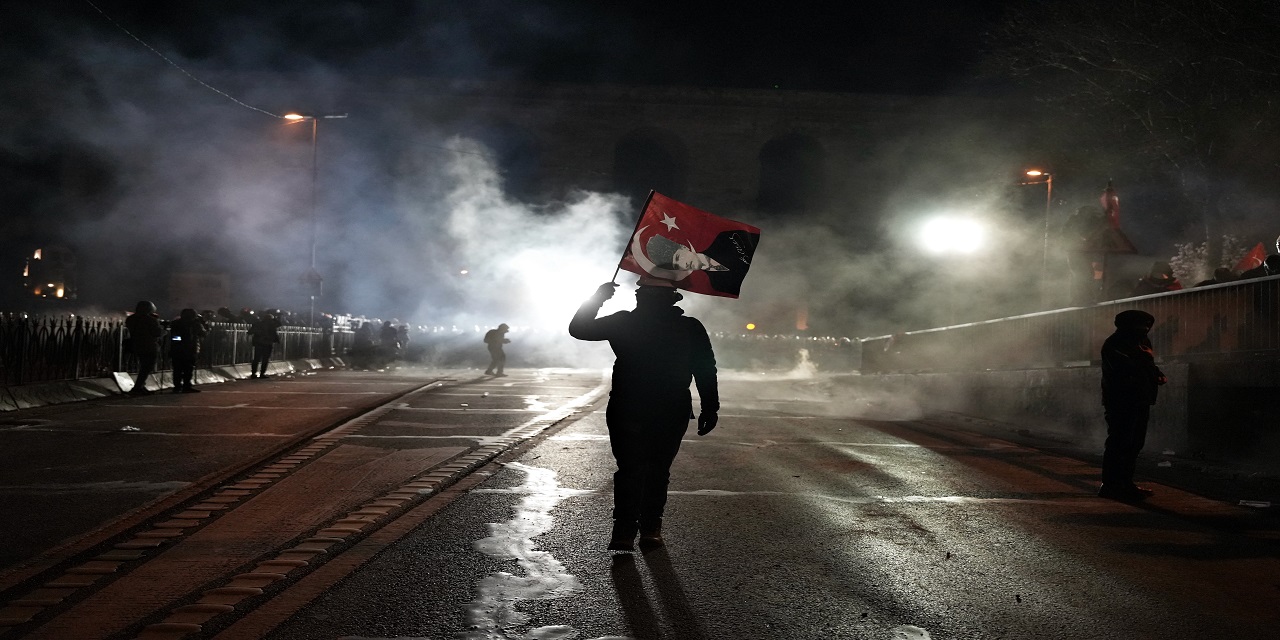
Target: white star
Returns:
[[669, 221]]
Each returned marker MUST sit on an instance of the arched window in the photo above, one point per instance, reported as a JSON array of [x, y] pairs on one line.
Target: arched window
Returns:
[[792, 174], [647, 159]]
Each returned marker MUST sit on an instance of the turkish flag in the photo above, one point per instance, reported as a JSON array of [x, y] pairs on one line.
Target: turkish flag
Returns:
[[697, 251], [1111, 205], [1251, 260]]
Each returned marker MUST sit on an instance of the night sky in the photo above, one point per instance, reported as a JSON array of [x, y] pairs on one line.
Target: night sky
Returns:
[[142, 171], [922, 47]]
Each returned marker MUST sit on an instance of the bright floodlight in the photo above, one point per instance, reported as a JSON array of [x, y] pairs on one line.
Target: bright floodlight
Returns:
[[294, 116], [1035, 172], [952, 235]]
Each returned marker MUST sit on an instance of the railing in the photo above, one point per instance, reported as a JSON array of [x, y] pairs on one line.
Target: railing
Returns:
[[47, 348], [1237, 320]]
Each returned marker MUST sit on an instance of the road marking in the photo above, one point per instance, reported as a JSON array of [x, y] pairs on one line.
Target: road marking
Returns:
[[189, 407]]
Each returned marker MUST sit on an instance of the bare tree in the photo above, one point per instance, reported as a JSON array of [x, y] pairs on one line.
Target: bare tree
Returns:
[[1190, 84]]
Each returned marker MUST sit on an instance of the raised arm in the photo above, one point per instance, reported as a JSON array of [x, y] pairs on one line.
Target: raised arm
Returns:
[[584, 326]]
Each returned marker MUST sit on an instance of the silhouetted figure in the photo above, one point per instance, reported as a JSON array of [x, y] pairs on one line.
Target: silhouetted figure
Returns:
[[263, 334], [226, 316], [494, 339], [658, 352], [185, 335], [1220, 275], [1159, 280], [389, 342], [362, 346], [145, 331], [1269, 267], [1130, 383]]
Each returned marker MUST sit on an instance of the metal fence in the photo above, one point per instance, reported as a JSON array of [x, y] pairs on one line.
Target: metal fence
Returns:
[[1237, 320], [47, 348]]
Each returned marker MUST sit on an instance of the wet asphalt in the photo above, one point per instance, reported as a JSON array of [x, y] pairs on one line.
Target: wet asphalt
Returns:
[[792, 520]]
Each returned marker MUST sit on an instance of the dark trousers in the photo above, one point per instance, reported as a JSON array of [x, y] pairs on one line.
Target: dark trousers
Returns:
[[261, 356], [1126, 435], [184, 369], [644, 443], [497, 360], [146, 365]]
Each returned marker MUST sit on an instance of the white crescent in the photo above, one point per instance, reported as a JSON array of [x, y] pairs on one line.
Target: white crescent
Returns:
[[637, 254]]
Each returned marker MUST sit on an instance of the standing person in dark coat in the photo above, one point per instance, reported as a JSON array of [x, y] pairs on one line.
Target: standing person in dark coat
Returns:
[[264, 334], [659, 352], [185, 335], [144, 342], [494, 339], [1130, 383]]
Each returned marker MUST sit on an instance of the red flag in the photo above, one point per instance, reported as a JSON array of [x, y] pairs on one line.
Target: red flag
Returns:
[[1111, 205], [1251, 260], [698, 251]]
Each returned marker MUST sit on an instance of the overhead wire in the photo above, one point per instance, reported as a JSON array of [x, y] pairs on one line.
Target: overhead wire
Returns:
[[226, 95]]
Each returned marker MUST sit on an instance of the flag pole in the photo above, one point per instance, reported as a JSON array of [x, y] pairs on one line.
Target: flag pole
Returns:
[[640, 219]]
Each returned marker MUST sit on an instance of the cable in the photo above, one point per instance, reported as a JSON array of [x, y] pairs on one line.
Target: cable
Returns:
[[177, 66]]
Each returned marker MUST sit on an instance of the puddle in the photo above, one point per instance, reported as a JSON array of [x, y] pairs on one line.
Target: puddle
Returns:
[[493, 615]]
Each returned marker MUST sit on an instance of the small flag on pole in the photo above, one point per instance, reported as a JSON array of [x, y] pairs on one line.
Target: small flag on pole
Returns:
[[698, 251], [1111, 205], [1251, 260]]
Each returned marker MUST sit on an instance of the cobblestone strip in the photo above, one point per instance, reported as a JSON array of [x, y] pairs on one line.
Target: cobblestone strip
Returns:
[[366, 518], [189, 519]]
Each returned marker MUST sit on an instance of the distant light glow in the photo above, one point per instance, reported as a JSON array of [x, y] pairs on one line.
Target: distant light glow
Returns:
[[1035, 172], [751, 326], [463, 272], [294, 116], [950, 234]]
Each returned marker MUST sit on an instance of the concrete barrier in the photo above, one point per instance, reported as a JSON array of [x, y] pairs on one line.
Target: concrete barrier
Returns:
[[121, 382]]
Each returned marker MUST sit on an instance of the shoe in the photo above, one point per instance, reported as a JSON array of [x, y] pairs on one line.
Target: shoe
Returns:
[[190, 390], [177, 390], [651, 539], [623, 537], [1130, 493], [136, 391], [488, 373], [499, 375]]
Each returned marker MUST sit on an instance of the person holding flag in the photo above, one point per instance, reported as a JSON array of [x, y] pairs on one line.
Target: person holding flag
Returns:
[[659, 351]]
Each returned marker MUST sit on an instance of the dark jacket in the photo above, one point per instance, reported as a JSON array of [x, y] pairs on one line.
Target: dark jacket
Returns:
[[185, 335], [1129, 372], [265, 332], [659, 352], [144, 332]]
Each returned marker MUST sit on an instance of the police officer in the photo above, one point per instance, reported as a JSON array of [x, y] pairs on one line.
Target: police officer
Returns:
[[1130, 382], [658, 350]]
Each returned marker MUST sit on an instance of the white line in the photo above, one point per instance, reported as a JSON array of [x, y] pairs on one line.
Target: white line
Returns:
[[190, 407]]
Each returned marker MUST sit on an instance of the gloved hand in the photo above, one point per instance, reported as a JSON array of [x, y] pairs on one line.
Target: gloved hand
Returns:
[[605, 291], [707, 421]]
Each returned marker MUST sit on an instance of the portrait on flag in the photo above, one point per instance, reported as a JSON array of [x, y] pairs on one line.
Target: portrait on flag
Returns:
[[696, 250]]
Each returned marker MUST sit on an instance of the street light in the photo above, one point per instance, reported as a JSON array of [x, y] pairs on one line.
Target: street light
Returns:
[[1044, 177], [313, 279]]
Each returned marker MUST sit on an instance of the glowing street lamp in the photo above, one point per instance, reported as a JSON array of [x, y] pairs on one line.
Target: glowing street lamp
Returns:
[[313, 279]]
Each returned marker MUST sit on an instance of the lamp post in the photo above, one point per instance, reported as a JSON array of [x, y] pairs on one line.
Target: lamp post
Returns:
[[1044, 177], [313, 279]]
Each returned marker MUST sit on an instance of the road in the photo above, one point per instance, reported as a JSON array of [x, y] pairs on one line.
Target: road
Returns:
[[461, 506]]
